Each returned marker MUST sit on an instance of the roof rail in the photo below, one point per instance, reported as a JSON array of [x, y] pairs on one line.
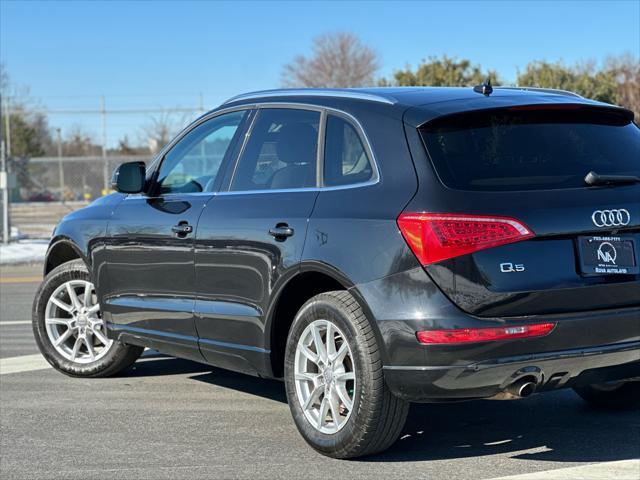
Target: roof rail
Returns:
[[557, 91], [312, 92]]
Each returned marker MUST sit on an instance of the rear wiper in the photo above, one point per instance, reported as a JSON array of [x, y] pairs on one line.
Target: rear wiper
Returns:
[[593, 179]]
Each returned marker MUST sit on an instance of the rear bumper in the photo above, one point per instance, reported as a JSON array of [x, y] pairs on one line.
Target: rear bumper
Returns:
[[488, 378], [584, 347]]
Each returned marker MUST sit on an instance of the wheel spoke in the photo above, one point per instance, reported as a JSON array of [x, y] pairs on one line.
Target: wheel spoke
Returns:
[[315, 394], [338, 358], [89, 343], [60, 304], [101, 338], [93, 309], [76, 348], [344, 396], [62, 338], [343, 377], [306, 377], [322, 414], [58, 321], [309, 354], [319, 344], [87, 294], [73, 296], [334, 404], [331, 341]]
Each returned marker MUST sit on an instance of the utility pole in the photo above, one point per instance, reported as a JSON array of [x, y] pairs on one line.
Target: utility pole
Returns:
[[7, 122], [105, 166], [60, 166], [4, 181]]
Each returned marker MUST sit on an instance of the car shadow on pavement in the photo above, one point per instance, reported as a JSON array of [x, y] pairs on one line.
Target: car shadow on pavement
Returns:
[[261, 387], [555, 426], [153, 364]]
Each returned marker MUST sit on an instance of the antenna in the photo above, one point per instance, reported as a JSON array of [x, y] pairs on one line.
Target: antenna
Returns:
[[485, 89]]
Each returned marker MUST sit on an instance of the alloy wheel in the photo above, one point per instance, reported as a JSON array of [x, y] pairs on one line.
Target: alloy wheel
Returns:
[[74, 324], [325, 376]]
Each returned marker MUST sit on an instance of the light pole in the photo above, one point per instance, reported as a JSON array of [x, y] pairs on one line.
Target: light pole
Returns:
[[60, 166], [4, 181], [105, 165]]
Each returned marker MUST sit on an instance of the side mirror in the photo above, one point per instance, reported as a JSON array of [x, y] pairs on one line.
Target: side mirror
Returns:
[[129, 177]]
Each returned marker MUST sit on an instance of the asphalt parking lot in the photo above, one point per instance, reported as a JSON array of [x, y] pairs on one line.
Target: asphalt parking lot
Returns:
[[167, 419]]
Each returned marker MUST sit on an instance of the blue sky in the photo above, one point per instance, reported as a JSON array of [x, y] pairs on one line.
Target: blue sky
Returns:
[[164, 54]]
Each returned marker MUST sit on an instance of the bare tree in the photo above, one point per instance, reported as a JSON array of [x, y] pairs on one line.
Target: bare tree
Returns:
[[339, 59], [79, 143], [626, 69], [159, 130]]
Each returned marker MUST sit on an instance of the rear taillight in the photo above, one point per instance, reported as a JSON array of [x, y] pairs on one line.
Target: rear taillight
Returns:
[[434, 237], [468, 335]]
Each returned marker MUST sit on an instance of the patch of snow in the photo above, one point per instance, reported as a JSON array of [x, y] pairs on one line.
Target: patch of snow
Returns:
[[23, 251], [16, 234]]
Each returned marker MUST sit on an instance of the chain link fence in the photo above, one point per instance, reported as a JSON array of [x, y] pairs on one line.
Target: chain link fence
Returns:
[[62, 179], [42, 190]]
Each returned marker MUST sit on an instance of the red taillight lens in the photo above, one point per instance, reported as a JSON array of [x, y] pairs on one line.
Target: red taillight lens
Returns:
[[434, 237], [468, 335]]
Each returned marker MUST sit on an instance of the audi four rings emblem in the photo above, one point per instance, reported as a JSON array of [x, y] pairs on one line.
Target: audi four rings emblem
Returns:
[[611, 218]]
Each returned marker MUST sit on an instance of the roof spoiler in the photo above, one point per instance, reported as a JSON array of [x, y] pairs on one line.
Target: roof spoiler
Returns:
[[556, 91]]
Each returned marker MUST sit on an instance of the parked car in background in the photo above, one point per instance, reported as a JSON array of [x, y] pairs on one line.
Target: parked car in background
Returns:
[[43, 196], [371, 247]]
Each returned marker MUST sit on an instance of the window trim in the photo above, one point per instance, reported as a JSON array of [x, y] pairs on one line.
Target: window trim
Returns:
[[324, 112]]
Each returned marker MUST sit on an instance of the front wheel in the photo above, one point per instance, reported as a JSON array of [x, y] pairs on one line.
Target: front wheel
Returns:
[[623, 395], [334, 380], [68, 326]]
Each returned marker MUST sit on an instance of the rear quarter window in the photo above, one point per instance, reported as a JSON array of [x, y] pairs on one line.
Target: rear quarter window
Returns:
[[345, 158], [531, 147]]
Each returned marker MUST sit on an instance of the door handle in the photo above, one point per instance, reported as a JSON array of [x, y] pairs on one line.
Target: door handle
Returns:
[[281, 231], [182, 229]]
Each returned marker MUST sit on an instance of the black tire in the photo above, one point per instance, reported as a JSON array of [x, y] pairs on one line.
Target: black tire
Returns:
[[622, 396], [378, 416], [117, 359]]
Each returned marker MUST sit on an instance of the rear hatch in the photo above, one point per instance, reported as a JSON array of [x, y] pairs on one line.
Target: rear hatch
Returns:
[[508, 225]]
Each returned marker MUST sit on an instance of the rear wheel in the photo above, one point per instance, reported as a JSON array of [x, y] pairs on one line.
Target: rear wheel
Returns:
[[68, 326], [623, 395], [334, 381]]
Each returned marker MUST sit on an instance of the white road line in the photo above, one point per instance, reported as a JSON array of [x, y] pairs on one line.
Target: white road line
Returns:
[[621, 470], [23, 363], [16, 322]]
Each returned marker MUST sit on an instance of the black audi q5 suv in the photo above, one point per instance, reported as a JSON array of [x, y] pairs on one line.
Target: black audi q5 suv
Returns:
[[371, 247]]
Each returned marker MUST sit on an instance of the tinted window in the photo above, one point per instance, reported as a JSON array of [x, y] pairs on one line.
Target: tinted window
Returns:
[[345, 158], [281, 151], [192, 164], [531, 148]]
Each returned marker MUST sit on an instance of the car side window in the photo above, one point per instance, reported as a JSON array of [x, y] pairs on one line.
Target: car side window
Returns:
[[192, 165], [281, 152], [345, 158]]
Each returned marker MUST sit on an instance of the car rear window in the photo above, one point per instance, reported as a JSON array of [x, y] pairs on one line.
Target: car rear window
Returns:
[[531, 147]]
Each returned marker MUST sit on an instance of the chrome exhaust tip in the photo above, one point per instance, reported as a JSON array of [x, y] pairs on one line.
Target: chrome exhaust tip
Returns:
[[522, 388]]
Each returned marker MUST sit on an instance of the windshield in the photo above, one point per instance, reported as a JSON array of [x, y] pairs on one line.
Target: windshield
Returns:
[[531, 147]]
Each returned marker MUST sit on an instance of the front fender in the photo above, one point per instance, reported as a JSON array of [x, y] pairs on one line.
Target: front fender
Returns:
[[83, 234]]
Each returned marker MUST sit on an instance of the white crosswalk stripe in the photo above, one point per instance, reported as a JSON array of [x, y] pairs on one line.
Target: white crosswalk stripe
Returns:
[[23, 363], [620, 470], [15, 322]]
